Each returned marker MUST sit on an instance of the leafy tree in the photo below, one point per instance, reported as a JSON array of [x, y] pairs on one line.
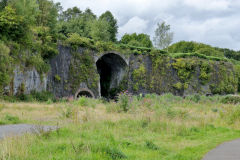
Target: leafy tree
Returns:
[[74, 21], [70, 13], [3, 4], [163, 37], [27, 9], [48, 14], [12, 26], [139, 40], [99, 30], [88, 15], [112, 27]]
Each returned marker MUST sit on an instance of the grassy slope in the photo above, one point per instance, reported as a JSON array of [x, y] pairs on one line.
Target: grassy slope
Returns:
[[155, 127]]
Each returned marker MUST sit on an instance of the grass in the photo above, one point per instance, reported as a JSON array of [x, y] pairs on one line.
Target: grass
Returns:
[[154, 127]]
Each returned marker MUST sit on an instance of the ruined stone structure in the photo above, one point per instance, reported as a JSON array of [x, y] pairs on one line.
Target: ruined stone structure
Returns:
[[82, 71]]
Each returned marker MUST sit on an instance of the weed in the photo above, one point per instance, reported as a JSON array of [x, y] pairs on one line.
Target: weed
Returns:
[[234, 116], [215, 110], [2, 106], [114, 153], [67, 112], [151, 145], [124, 101]]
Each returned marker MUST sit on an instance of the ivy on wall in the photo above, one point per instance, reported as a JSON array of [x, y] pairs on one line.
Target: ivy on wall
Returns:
[[83, 70]]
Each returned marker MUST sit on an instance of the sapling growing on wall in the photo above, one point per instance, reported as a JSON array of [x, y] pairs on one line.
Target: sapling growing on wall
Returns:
[[163, 36]]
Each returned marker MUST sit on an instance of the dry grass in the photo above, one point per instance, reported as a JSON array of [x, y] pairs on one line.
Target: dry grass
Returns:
[[179, 126]]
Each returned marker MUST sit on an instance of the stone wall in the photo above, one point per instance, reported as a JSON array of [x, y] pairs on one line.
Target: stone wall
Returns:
[[30, 79], [75, 70]]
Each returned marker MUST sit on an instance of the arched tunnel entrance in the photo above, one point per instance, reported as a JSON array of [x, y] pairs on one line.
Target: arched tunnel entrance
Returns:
[[84, 92], [112, 69]]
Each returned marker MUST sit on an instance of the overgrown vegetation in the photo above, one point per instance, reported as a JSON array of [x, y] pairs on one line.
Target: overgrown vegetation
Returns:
[[152, 127], [32, 29]]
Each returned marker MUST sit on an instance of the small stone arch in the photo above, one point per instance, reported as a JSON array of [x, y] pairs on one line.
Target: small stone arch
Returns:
[[84, 92]]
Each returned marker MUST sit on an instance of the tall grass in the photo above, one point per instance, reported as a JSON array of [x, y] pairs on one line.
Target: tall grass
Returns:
[[136, 128]]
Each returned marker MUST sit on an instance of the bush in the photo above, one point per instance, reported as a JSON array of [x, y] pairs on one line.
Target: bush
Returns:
[[76, 40], [123, 101], [86, 102], [151, 145], [33, 96], [196, 98], [82, 101], [231, 99]]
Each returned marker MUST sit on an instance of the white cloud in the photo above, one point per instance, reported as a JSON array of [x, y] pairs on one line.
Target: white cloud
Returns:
[[208, 4], [215, 22], [134, 25]]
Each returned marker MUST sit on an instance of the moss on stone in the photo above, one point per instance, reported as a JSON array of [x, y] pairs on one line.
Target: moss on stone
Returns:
[[178, 86], [83, 70], [57, 78], [139, 77], [224, 79]]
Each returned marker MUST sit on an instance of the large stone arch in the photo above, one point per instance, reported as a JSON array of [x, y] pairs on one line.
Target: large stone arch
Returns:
[[126, 59], [112, 68], [84, 92]]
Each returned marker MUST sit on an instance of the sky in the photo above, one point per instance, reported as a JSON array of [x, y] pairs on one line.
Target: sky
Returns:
[[214, 22]]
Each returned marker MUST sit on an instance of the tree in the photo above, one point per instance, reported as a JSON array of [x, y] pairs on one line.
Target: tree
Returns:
[[163, 37], [99, 30], [12, 26], [48, 14], [27, 9], [70, 13], [3, 4], [139, 40], [112, 27]]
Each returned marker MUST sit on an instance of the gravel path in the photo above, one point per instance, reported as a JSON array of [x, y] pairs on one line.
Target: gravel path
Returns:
[[226, 151], [19, 129]]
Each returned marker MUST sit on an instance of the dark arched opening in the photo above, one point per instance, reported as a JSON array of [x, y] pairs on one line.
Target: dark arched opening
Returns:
[[112, 69], [84, 94]]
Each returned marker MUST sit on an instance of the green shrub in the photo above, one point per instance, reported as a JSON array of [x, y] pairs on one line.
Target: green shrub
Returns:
[[82, 101], [124, 101], [151, 145], [231, 99], [76, 40], [40, 96], [195, 98], [87, 102]]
